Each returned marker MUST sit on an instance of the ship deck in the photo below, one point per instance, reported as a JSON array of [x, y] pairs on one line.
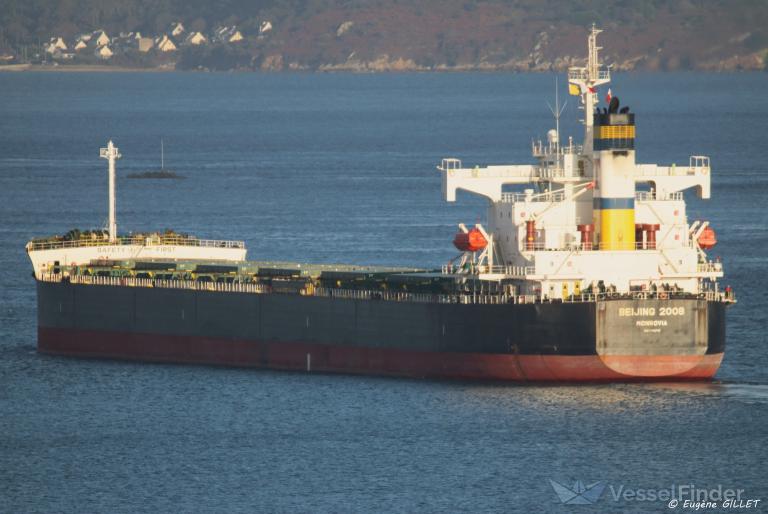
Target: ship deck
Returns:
[[395, 283]]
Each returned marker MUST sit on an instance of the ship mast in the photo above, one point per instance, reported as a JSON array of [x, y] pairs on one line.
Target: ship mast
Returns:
[[587, 79], [111, 153], [557, 111]]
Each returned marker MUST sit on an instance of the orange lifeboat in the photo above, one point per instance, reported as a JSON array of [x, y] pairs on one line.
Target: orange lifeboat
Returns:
[[707, 239], [470, 241]]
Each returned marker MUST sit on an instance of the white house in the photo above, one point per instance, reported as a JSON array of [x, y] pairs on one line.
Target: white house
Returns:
[[235, 36], [80, 45], [227, 35], [196, 38], [177, 29], [58, 43], [146, 44], [55, 45], [100, 38], [104, 52], [164, 44], [265, 27]]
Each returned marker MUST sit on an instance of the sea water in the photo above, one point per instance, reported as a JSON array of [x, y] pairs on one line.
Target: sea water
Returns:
[[341, 168]]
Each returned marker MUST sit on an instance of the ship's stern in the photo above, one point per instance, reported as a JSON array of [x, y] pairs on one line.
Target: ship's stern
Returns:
[[681, 338]]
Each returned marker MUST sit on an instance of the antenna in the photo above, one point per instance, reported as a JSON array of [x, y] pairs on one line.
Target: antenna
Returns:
[[162, 155], [557, 112]]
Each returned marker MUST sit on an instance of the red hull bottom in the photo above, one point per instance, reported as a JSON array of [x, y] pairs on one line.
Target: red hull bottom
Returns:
[[374, 361]]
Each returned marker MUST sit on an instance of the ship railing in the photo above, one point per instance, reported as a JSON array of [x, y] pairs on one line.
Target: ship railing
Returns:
[[547, 173], [367, 294], [709, 267], [504, 298], [584, 247], [653, 195], [223, 287], [515, 271], [522, 197], [699, 162], [450, 163], [589, 247], [698, 165], [404, 296], [135, 241], [540, 149], [233, 287], [396, 296], [50, 277], [727, 296], [660, 294], [571, 149], [583, 74]]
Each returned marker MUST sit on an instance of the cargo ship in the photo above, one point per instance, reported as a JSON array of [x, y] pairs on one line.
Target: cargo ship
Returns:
[[589, 271]]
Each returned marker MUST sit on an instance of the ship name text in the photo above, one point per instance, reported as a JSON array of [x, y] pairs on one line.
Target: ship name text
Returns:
[[651, 311]]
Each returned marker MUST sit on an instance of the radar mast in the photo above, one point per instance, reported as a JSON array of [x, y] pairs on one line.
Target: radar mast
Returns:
[[585, 80]]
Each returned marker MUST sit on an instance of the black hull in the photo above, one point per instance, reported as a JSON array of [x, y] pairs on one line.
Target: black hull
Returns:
[[614, 339]]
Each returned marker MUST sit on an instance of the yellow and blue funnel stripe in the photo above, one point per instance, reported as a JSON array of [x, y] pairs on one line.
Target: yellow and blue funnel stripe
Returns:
[[615, 218], [614, 132]]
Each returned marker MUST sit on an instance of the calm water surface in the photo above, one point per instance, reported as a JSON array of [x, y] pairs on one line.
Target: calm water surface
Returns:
[[340, 168]]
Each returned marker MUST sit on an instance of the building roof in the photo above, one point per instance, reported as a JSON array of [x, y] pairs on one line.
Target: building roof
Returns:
[[177, 28], [165, 44], [104, 52], [196, 38]]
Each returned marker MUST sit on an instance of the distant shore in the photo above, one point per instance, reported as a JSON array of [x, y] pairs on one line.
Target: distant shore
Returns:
[[76, 68], [344, 68]]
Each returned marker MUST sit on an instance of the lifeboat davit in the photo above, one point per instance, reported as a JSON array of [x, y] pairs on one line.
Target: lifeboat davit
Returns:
[[707, 238], [470, 241]]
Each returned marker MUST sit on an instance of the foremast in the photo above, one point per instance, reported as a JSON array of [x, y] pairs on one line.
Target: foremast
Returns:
[[111, 154], [49, 255]]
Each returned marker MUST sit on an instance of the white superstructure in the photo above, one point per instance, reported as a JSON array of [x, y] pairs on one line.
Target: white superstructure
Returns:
[[593, 218], [47, 254]]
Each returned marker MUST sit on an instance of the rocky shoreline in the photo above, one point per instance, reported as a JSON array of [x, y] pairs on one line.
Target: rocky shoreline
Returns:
[[387, 64]]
